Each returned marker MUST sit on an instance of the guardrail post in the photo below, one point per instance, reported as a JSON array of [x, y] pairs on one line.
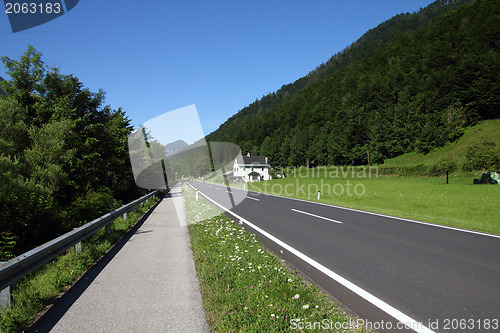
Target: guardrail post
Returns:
[[5, 297], [78, 247], [319, 194], [124, 216], [196, 195]]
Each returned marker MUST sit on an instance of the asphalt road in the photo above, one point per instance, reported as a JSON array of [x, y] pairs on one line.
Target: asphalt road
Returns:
[[386, 270]]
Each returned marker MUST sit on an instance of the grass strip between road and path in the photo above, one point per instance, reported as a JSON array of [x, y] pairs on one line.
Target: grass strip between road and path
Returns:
[[247, 288], [33, 293]]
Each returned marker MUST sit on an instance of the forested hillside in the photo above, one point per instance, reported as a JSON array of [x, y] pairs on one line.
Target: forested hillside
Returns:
[[1, 90], [63, 155], [373, 38], [413, 93]]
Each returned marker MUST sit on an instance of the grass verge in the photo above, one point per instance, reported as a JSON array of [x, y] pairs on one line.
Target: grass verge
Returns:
[[246, 288], [33, 293]]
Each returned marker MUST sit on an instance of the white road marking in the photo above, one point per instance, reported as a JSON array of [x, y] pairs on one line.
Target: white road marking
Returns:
[[247, 197], [314, 215], [385, 215], [392, 311]]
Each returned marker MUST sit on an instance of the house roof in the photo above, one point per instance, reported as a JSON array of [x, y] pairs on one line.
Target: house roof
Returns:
[[261, 160]]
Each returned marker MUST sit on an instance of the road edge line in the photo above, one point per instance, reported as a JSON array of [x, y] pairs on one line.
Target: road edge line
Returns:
[[390, 310]]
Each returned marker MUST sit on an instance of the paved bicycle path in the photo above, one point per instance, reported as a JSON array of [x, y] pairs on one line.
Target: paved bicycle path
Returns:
[[149, 284]]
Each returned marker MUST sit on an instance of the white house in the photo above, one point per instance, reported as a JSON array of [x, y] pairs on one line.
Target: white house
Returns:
[[251, 168]]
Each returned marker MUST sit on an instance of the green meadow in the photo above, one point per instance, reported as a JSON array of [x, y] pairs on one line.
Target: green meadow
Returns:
[[402, 188], [459, 203]]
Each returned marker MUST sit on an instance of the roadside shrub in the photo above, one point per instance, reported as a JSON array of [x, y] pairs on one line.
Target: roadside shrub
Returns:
[[7, 246], [482, 156], [442, 167], [93, 204]]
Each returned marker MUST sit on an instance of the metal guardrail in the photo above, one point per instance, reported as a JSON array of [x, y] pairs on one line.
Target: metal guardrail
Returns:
[[17, 268]]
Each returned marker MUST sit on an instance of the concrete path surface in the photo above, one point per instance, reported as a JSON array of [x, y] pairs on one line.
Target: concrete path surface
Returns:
[[147, 283]]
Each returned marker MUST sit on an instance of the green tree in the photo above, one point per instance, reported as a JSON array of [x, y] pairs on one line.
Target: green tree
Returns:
[[48, 154], [63, 153], [26, 76], [482, 156], [442, 167], [266, 149]]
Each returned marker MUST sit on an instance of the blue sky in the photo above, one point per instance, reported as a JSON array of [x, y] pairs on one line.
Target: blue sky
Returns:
[[152, 57]]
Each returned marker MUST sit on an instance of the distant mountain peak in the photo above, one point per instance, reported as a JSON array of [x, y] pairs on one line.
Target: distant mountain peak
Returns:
[[174, 147]]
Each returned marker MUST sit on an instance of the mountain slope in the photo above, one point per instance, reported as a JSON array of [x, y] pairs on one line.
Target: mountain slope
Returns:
[[416, 92], [1, 90], [383, 33], [174, 147], [475, 136]]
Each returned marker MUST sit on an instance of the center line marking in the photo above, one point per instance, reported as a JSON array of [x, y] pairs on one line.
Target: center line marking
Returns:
[[252, 198], [320, 217]]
